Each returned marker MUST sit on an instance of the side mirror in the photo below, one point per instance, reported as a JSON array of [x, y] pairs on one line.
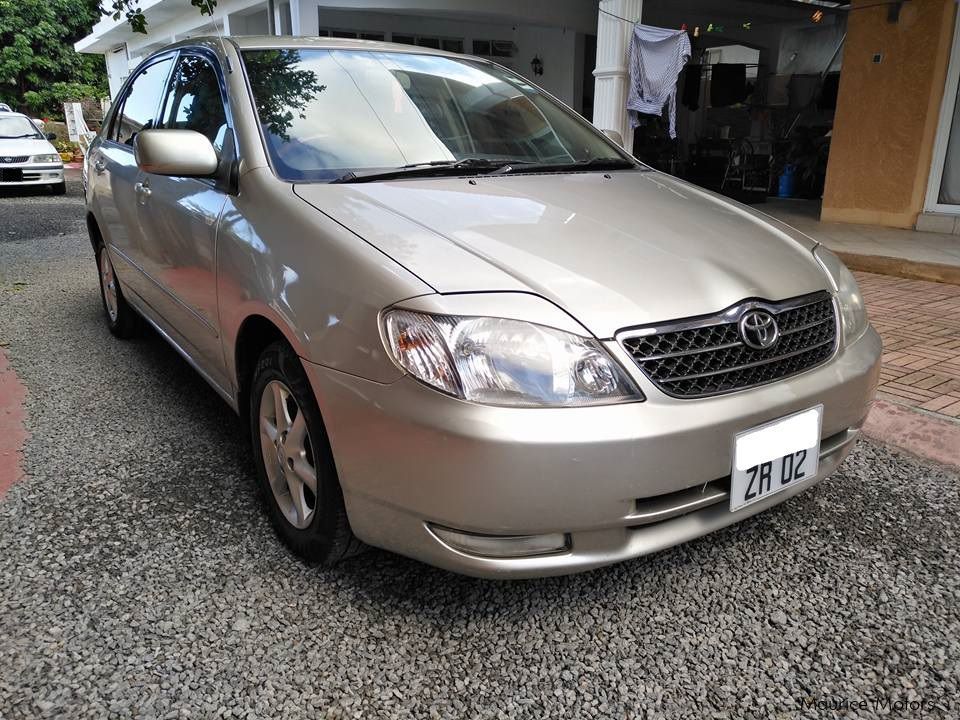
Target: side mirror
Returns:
[[615, 136], [51, 136], [181, 153]]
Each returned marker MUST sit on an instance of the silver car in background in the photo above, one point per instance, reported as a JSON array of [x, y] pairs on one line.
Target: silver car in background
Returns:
[[461, 323], [27, 158]]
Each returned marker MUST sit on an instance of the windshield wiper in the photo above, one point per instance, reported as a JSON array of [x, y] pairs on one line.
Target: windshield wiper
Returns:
[[17, 137], [427, 169], [500, 166], [591, 164]]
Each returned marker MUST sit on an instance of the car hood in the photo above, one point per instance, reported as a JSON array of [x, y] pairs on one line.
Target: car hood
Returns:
[[13, 147], [614, 250]]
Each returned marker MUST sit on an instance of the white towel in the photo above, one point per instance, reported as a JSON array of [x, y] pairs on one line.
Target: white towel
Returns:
[[657, 57]]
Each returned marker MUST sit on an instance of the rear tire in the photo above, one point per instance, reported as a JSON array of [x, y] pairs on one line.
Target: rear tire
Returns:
[[296, 474], [122, 319]]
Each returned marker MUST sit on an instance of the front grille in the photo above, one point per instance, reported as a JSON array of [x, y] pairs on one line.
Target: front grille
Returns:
[[8, 160], [707, 356]]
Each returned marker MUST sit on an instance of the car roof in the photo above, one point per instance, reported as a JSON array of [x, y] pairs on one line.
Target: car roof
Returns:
[[288, 42]]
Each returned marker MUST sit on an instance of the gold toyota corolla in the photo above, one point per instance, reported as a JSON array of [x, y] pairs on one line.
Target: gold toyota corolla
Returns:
[[462, 323]]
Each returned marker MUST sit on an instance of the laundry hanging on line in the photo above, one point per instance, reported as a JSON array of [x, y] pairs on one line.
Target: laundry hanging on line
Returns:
[[657, 56]]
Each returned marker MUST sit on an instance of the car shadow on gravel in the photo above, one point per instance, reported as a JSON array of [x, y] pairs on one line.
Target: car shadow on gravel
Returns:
[[395, 584], [26, 191]]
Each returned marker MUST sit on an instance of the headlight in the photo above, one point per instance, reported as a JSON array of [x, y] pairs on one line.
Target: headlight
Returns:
[[45, 159], [853, 314], [505, 362]]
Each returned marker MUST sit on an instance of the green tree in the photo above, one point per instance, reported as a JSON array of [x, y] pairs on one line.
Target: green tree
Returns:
[[39, 69], [281, 87]]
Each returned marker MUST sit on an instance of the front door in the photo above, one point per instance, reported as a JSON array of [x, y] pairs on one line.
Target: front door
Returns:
[[179, 218]]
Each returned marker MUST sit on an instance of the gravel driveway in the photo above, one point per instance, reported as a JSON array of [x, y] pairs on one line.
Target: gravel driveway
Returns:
[[139, 578]]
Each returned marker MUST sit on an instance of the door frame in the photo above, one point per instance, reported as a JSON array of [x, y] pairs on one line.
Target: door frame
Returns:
[[944, 126]]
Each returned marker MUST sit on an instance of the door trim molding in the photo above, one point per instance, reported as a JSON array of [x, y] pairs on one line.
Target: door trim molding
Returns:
[[166, 291]]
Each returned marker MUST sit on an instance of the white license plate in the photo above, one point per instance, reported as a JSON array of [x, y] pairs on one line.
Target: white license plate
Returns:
[[775, 456]]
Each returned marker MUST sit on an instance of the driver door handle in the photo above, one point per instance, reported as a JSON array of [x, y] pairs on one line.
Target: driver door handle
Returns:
[[142, 189]]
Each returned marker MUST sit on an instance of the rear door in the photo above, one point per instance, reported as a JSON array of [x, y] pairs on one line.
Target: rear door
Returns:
[[114, 174], [179, 215]]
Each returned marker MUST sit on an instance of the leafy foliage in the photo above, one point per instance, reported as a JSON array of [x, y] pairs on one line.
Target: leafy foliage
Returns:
[[281, 87], [130, 9], [54, 96], [38, 64]]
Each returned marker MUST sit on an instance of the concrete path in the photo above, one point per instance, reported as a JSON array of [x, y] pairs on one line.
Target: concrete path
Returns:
[[871, 248]]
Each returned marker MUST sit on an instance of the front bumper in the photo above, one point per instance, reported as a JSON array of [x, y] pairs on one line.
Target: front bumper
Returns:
[[20, 175], [615, 479]]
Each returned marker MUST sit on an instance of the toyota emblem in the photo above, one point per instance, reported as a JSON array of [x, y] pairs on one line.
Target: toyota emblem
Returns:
[[758, 329]]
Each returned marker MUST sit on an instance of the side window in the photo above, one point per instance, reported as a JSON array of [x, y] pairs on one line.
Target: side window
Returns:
[[140, 104], [194, 102]]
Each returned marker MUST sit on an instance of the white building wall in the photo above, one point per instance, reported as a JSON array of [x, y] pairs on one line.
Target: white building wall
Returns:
[[556, 46], [253, 23]]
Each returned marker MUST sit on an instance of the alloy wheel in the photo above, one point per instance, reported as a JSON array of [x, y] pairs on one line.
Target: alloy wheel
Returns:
[[288, 454], [108, 284]]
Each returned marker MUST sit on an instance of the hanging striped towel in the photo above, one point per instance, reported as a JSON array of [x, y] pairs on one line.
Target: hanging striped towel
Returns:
[[657, 57]]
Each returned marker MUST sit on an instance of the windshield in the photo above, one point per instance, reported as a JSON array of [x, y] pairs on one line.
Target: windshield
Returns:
[[16, 127], [328, 112]]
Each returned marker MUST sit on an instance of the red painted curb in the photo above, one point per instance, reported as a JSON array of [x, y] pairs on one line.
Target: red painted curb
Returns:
[[12, 432], [915, 432]]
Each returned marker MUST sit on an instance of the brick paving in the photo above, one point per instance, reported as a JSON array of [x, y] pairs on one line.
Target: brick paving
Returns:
[[920, 325]]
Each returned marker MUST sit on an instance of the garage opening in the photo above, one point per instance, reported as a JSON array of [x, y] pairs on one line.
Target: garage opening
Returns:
[[756, 101]]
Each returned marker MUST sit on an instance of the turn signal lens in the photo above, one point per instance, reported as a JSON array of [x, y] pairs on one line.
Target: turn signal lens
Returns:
[[853, 312], [417, 346]]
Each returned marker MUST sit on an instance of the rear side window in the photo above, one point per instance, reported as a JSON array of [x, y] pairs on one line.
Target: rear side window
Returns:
[[194, 102], [140, 104]]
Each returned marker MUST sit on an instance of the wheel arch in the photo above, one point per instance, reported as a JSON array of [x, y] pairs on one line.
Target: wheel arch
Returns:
[[255, 333], [93, 230]]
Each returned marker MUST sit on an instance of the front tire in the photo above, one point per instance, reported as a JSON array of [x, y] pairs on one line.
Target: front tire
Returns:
[[59, 188], [121, 318], [295, 469]]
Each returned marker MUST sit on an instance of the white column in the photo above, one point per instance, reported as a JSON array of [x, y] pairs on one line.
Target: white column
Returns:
[[295, 28], [118, 67], [613, 44]]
